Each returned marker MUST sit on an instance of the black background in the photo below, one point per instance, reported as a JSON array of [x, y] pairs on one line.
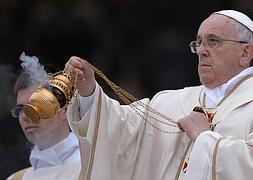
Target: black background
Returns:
[[142, 45]]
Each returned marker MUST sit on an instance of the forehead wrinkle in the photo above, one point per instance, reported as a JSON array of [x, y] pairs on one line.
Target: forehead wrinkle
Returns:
[[207, 36], [217, 25]]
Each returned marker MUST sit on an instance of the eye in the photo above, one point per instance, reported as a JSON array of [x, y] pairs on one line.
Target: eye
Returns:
[[198, 42], [213, 42], [20, 108]]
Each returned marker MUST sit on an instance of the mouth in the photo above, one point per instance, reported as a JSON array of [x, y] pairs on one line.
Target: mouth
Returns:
[[204, 66], [30, 128]]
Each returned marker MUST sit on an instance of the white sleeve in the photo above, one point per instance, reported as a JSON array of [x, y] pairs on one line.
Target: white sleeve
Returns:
[[10, 177], [218, 157], [85, 102], [78, 108], [117, 136], [202, 154]]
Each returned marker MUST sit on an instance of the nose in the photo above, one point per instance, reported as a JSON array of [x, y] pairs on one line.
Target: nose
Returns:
[[24, 117], [202, 50]]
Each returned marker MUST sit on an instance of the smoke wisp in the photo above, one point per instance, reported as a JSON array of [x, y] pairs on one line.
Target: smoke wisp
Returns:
[[36, 71], [7, 80]]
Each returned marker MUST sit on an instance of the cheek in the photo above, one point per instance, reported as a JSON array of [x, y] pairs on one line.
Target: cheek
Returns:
[[225, 59], [47, 125], [217, 67], [21, 122], [223, 66], [218, 63]]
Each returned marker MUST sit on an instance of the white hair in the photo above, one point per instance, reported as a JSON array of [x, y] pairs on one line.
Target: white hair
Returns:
[[242, 32]]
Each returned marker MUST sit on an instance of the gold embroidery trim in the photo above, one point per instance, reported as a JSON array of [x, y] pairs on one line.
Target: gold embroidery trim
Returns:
[[214, 158], [182, 161], [94, 141], [19, 175]]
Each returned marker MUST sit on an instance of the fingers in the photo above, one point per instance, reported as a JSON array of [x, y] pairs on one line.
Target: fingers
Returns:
[[83, 75], [82, 67], [80, 76], [193, 118], [194, 124], [79, 63]]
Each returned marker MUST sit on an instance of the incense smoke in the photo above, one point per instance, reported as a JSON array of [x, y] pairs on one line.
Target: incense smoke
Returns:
[[36, 71], [29, 65], [7, 97]]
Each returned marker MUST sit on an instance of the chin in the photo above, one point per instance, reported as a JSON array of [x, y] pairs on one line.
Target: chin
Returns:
[[31, 139], [206, 82], [210, 85]]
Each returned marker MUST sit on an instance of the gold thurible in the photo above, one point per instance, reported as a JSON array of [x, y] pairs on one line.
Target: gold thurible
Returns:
[[49, 99]]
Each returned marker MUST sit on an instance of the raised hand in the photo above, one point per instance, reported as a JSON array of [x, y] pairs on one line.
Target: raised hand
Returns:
[[85, 79]]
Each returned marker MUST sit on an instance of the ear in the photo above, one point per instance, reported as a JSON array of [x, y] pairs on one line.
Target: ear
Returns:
[[247, 55]]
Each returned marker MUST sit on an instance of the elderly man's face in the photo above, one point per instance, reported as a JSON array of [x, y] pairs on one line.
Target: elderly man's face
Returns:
[[218, 65]]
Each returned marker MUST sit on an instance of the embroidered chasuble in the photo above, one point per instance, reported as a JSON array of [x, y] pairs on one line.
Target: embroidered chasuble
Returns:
[[127, 148]]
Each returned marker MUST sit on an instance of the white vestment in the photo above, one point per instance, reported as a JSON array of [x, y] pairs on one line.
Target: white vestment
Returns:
[[59, 162], [127, 148]]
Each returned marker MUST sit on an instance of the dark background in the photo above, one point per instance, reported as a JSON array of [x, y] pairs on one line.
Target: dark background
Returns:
[[141, 45]]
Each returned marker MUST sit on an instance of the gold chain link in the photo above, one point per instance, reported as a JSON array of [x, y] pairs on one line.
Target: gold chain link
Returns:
[[135, 104]]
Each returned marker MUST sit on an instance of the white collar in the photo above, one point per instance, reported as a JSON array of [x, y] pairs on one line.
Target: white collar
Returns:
[[214, 96], [64, 152]]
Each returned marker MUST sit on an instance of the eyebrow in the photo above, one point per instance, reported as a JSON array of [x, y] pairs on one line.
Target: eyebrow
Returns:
[[209, 36], [19, 105]]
